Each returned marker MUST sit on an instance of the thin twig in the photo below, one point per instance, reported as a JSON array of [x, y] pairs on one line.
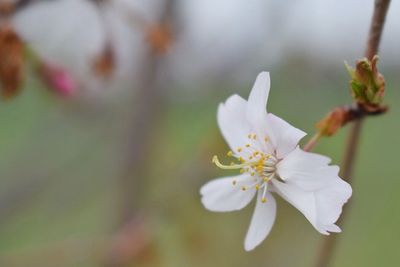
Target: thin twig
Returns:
[[375, 33], [329, 243]]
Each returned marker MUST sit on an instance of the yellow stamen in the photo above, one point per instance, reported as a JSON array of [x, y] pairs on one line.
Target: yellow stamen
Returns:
[[247, 145], [229, 154], [239, 149], [244, 188], [263, 200]]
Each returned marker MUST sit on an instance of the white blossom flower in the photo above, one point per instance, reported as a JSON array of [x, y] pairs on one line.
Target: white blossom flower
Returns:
[[77, 35], [270, 161]]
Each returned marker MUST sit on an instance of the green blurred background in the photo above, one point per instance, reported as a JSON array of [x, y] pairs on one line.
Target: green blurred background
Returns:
[[61, 190]]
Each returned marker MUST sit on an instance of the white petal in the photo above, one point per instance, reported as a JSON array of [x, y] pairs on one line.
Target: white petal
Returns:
[[68, 33], [313, 187], [257, 103], [283, 135], [221, 195], [333, 228], [232, 121], [302, 200], [307, 170], [330, 201], [261, 222]]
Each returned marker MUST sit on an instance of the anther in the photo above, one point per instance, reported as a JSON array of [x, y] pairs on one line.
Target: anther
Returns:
[[229, 154], [239, 149], [263, 200], [247, 145], [234, 182], [244, 188]]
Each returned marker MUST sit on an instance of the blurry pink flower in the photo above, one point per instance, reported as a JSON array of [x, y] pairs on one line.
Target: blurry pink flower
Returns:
[[270, 160], [58, 79]]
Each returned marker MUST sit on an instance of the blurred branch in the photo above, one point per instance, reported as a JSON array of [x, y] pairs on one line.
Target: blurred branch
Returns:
[[147, 110], [329, 243]]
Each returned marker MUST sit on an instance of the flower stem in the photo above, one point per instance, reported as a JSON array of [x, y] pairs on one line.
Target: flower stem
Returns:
[[312, 142], [328, 245]]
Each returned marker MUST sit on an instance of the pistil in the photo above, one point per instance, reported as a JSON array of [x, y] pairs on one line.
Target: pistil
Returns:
[[258, 164]]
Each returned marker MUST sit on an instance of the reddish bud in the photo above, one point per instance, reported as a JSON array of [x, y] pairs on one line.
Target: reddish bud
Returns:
[[104, 64], [11, 62], [159, 38], [332, 122], [7, 8], [58, 79]]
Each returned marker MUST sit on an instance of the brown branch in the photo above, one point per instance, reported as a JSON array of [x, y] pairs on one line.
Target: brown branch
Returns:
[[329, 243], [376, 29]]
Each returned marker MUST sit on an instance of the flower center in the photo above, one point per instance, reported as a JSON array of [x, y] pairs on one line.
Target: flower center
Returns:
[[254, 161]]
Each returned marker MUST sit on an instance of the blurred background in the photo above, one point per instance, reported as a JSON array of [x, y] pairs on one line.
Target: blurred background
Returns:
[[111, 134]]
